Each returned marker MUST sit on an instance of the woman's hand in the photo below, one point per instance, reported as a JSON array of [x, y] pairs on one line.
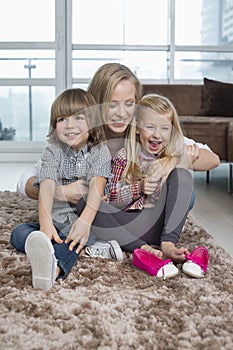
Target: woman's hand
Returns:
[[79, 233], [190, 155], [73, 192]]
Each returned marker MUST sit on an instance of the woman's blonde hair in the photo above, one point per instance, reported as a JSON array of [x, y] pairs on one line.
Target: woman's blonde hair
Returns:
[[77, 101], [161, 105], [107, 77], [104, 82]]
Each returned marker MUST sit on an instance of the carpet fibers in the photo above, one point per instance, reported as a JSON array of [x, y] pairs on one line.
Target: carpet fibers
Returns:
[[112, 305]]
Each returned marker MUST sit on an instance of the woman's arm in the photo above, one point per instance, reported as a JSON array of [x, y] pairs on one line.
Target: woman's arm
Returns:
[[30, 190], [71, 193], [207, 158], [25, 184]]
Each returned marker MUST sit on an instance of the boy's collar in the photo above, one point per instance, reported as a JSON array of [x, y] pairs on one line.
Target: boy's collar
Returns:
[[70, 151]]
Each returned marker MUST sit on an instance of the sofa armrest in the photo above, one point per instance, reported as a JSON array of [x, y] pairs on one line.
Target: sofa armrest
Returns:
[[216, 132]]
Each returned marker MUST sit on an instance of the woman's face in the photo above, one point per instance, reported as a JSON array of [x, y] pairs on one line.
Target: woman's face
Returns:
[[121, 107]]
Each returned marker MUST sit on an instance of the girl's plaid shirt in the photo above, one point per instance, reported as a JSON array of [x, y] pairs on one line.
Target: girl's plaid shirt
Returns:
[[125, 196]]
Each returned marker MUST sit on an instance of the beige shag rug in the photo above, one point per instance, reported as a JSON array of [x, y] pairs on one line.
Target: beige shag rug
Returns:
[[112, 305]]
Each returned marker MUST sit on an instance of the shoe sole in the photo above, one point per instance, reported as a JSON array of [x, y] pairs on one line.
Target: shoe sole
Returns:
[[167, 271], [117, 250], [40, 253], [156, 276], [189, 269]]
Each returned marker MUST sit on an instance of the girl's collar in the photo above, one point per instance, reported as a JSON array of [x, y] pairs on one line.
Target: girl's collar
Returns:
[[144, 157]]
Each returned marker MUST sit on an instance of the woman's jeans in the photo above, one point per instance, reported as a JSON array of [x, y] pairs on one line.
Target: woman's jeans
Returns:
[[65, 258]]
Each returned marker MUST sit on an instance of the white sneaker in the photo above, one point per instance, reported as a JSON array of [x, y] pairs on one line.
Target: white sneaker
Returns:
[[40, 253], [105, 250]]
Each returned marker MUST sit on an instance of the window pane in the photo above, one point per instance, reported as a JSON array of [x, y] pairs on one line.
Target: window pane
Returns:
[[25, 112], [145, 64], [203, 22], [25, 64], [97, 21], [197, 65], [147, 24], [120, 22], [27, 20], [42, 99]]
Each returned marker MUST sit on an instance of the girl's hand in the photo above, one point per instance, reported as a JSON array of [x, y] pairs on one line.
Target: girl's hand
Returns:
[[170, 251], [79, 233], [51, 232], [149, 184]]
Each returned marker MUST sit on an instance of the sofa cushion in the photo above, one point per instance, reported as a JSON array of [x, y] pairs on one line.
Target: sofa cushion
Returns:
[[217, 98], [187, 98]]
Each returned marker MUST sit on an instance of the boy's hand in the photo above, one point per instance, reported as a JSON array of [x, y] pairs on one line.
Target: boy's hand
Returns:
[[51, 232], [79, 233]]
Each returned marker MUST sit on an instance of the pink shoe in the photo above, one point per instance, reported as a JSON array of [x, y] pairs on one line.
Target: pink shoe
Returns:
[[196, 262], [153, 265]]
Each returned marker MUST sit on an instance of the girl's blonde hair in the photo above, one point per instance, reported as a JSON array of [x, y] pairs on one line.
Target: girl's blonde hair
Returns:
[[104, 82], [161, 105], [77, 101]]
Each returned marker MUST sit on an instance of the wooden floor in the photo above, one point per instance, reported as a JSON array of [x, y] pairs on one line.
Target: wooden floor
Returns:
[[213, 206]]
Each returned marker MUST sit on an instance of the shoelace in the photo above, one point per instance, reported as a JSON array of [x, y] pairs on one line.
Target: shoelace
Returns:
[[98, 253]]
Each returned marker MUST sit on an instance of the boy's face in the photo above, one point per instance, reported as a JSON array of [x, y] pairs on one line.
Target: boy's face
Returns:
[[73, 130], [154, 131]]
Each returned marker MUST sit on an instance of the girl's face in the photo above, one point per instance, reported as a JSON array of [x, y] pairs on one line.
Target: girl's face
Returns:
[[121, 107], [154, 131], [73, 130]]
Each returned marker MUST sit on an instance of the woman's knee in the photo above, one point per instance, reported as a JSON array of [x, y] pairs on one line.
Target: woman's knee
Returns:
[[181, 177]]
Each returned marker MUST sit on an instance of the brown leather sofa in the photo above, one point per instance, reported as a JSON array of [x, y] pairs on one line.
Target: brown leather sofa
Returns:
[[214, 130]]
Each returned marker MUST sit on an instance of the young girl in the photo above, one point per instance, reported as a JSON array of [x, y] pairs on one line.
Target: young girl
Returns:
[[75, 150], [154, 164]]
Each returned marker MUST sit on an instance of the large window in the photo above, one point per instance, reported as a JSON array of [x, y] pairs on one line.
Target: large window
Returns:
[[49, 45]]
